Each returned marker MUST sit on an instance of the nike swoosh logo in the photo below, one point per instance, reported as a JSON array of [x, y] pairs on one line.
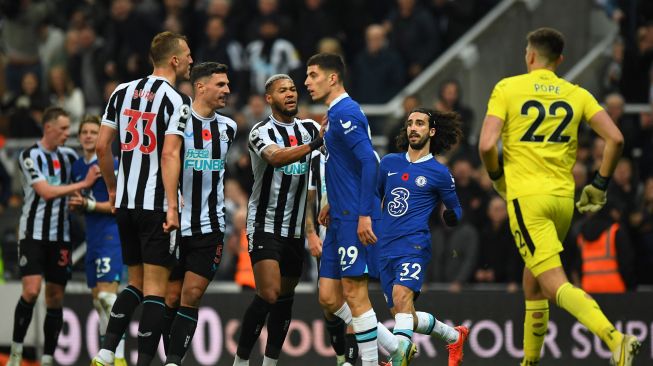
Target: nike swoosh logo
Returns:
[[391, 174], [345, 268], [146, 334], [118, 316], [404, 279], [346, 124]]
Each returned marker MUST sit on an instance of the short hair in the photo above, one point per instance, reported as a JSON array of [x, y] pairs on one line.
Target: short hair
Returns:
[[273, 78], [548, 42], [329, 62], [89, 119], [52, 113], [207, 69], [164, 45], [447, 131]]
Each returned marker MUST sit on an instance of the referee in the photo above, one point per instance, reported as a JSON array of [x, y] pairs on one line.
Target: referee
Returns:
[[280, 148]]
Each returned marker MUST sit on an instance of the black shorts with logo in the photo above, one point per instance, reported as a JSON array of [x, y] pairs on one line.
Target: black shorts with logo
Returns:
[[49, 258], [289, 252], [200, 254], [143, 239]]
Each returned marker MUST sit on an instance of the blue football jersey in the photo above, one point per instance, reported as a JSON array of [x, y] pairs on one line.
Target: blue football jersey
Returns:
[[410, 192], [95, 222], [348, 128]]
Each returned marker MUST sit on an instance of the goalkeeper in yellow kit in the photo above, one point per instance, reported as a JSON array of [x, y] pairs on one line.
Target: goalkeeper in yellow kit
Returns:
[[536, 115]]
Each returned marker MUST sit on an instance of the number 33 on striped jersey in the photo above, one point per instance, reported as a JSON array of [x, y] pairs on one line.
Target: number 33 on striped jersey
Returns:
[[134, 117]]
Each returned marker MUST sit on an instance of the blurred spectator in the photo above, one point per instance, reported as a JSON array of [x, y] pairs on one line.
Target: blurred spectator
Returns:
[[176, 16], [472, 197], [450, 100], [607, 260], [597, 153], [65, 94], [26, 109], [455, 254], [454, 18], [217, 45], [128, 38], [392, 131], [109, 87], [213, 8], [499, 260], [313, 24], [185, 87], [329, 45], [255, 111], [642, 222], [269, 55], [268, 9], [20, 39], [86, 61], [412, 29], [638, 58], [622, 190], [614, 106], [645, 141], [51, 48], [613, 69], [376, 74]]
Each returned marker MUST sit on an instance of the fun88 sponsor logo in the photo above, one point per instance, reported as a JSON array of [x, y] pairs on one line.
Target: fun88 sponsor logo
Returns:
[[293, 169], [199, 159]]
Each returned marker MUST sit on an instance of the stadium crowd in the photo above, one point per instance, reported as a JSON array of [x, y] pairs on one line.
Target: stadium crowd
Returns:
[[74, 53]]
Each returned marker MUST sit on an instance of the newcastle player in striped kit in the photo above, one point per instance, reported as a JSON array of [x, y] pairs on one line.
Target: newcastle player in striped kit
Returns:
[[44, 246], [280, 149], [141, 113], [204, 140]]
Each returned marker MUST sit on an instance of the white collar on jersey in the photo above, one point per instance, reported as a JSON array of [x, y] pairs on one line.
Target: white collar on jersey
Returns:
[[420, 160], [339, 98], [202, 118], [40, 145], [282, 123], [94, 157]]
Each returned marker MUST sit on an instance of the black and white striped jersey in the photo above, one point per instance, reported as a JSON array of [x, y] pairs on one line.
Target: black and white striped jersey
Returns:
[[206, 142], [278, 198], [144, 111], [317, 183], [41, 219]]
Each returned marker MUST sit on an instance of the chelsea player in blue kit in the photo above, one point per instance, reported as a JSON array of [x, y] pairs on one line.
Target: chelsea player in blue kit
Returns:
[[411, 185], [103, 260], [351, 171]]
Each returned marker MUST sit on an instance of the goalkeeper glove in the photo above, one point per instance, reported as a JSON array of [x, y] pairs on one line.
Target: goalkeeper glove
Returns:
[[594, 196], [499, 182]]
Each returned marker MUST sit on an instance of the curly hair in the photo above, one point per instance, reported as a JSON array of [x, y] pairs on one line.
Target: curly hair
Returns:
[[447, 131]]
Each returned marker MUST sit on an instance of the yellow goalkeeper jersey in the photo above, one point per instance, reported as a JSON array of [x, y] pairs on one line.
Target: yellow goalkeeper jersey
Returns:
[[541, 114]]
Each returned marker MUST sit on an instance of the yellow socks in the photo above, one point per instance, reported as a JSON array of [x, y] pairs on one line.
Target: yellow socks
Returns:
[[587, 311], [536, 321]]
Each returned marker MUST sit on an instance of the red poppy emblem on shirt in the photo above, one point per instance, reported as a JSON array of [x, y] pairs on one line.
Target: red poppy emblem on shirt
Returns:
[[405, 176], [206, 135], [293, 140], [56, 164]]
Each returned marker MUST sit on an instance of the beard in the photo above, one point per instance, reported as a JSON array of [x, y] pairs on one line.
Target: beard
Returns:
[[419, 145], [285, 111]]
